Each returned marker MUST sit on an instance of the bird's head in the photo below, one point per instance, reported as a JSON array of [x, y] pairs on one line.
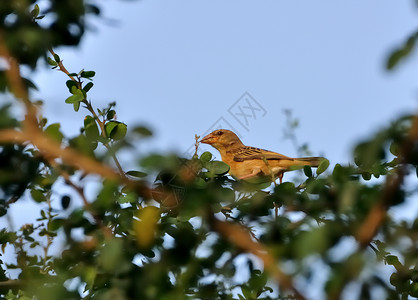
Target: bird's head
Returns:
[[222, 139]]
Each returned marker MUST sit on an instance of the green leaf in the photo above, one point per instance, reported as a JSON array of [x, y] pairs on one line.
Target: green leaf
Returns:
[[137, 174], [111, 256], [29, 84], [107, 196], [324, 164], [119, 132], [35, 12], [338, 171], [400, 281], [286, 188], [55, 224], [51, 62], [115, 130], [394, 58], [89, 276], [75, 90], [217, 167], [57, 58], [87, 74], [7, 237], [76, 106], [413, 289], [313, 241], [247, 292], [399, 54], [83, 144], [53, 131], [366, 176], [110, 114], [160, 162], [72, 86], [76, 98], [394, 149], [3, 211], [38, 196], [128, 198], [88, 86], [109, 126], [205, 157], [91, 129], [392, 260], [143, 131], [308, 171]]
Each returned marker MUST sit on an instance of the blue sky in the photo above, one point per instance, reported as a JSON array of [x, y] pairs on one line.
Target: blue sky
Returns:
[[178, 66]]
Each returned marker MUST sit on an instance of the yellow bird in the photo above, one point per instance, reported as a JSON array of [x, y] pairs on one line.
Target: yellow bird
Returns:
[[247, 162]]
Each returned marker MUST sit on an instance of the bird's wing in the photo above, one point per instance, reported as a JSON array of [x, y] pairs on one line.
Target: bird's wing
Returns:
[[250, 153]]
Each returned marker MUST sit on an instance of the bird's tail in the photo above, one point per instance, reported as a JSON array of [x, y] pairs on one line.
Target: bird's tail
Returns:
[[310, 161]]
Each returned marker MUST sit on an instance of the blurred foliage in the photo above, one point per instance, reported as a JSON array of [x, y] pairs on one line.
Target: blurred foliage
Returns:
[[402, 51], [180, 228]]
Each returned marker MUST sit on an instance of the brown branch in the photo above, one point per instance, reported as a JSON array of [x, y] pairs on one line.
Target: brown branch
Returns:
[[7, 285], [13, 73], [240, 237], [53, 149], [18, 88]]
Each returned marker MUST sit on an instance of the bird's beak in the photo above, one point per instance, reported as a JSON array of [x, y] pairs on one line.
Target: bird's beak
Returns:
[[209, 139]]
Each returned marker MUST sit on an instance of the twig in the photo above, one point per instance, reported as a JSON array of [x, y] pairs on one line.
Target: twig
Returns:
[[63, 69], [48, 236], [196, 144], [80, 191]]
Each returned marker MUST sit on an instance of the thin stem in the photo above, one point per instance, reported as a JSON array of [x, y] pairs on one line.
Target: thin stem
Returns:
[[49, 238], [196, 144], [86, 204], [63, 69], [90, 108]]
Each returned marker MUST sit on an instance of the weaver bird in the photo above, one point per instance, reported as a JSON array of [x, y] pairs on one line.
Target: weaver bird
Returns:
[[247, 162]]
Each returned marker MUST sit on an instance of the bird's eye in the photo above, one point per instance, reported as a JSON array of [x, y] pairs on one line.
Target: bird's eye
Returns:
[[219, 133]]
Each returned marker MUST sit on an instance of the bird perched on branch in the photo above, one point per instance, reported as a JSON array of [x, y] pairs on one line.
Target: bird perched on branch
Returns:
[[247, 162]]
